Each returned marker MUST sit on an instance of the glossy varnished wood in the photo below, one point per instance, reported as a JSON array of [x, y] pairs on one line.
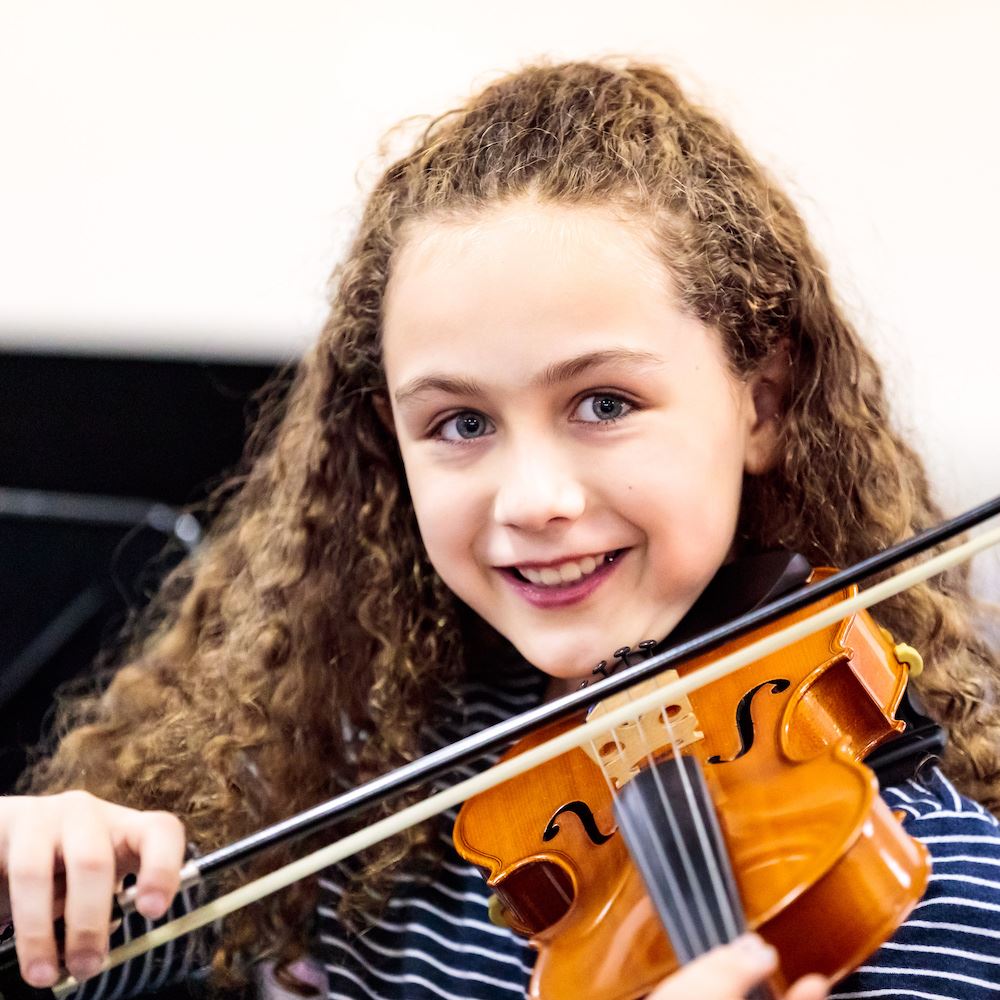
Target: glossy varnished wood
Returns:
[[824, 870]]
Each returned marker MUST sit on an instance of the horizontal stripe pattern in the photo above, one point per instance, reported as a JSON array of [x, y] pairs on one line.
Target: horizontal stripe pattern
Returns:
[[154, 970], [950, 946], [433, 939]]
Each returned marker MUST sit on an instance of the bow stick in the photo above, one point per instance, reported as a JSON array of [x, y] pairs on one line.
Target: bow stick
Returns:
[[504, 733]]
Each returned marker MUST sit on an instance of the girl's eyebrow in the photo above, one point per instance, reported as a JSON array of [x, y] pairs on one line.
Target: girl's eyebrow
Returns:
[[449, 384], [563, 371], [560, 371]]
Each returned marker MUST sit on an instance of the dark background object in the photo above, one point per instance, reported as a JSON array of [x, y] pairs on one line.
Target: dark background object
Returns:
[[116, 428]]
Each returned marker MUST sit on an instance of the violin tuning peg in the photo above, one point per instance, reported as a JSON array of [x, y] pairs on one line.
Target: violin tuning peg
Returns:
[[601, 668], [647, 646]]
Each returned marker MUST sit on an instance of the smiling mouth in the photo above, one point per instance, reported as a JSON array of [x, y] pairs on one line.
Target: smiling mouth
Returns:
[[563, 574]]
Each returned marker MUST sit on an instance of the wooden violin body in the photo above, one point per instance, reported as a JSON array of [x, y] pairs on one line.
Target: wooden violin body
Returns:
[[824, 869]]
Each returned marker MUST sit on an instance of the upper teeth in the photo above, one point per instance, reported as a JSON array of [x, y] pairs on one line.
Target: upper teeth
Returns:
[[566, 572]]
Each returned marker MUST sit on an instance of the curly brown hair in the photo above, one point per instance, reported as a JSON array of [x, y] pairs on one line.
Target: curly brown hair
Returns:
[[310, 626]]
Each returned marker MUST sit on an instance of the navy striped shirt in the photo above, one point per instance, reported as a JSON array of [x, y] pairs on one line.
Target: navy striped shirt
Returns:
[[950, 945]]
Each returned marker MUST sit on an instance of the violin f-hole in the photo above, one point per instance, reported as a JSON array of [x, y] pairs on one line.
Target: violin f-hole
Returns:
[[744, 719], [585, 815]]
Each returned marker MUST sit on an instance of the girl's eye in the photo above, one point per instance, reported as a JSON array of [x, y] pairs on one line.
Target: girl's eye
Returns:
[[465, 426], [602, 408]]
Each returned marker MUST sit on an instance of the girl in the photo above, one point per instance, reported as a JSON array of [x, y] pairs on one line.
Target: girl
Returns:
[[581, 354]]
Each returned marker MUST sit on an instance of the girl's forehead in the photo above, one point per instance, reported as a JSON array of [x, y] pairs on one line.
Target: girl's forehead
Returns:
[[505, 298], [553, 228], [523, 269]]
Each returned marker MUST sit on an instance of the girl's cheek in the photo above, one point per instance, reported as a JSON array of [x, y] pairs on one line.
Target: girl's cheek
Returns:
[[446, 529]]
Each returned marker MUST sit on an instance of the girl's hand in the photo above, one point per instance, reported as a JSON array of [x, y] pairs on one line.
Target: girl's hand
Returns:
[[729, 972], [86, 845]]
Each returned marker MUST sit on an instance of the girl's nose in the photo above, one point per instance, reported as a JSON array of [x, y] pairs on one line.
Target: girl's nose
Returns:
[[536, 489]]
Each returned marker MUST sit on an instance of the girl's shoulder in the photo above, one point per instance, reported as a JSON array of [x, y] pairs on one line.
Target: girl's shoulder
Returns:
[[949, 946], [935, 812]]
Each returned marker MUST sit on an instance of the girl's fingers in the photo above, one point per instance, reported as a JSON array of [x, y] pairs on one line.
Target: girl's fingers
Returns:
[[730, 972], [809, 988], [157, 839], [89, 861], [30, 862], [65, 853]]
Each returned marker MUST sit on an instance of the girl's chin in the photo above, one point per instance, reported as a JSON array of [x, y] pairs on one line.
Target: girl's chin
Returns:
[[564, 665], [572, 655]]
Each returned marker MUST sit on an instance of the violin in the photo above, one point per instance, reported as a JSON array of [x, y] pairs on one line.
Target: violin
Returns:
[[743, 805], [818, 739]]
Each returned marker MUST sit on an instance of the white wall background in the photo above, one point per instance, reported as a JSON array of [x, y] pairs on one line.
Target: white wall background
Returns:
[[179, 177]]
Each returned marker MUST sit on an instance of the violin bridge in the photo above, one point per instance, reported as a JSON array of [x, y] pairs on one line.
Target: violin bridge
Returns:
[[658, 733]]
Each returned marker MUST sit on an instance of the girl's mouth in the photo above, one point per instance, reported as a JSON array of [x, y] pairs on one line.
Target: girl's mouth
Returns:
[[564, 583]]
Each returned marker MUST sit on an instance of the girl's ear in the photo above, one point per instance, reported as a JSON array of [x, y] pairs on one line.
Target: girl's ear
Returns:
[[769, 387], [384, 410]]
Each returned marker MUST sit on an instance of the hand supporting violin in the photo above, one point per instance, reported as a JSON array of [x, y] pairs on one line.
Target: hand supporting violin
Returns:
[[731, 971], [65, 855]]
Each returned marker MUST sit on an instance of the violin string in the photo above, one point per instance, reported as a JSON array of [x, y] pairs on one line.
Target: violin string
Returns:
[[685, 939], [709, 934], [705, 935], [706, 841], [712, 934], [688, 928]]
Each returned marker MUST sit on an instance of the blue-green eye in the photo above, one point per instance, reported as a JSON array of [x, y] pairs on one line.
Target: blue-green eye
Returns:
[[465, 426], [602, 408]]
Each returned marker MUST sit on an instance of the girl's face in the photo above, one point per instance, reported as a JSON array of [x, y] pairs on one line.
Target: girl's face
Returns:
[[574, 441]]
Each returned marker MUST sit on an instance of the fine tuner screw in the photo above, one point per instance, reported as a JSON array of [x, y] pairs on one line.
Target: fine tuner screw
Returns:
[[621, 654], [645, 648]]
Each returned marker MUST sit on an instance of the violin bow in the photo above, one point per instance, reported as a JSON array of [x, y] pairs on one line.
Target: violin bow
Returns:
[[501, 735]]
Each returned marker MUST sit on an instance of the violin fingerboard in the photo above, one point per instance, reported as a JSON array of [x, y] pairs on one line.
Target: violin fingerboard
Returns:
[[668, 820]]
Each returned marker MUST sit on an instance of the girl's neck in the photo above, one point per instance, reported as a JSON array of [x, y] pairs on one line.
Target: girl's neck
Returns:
[[558, 686]]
